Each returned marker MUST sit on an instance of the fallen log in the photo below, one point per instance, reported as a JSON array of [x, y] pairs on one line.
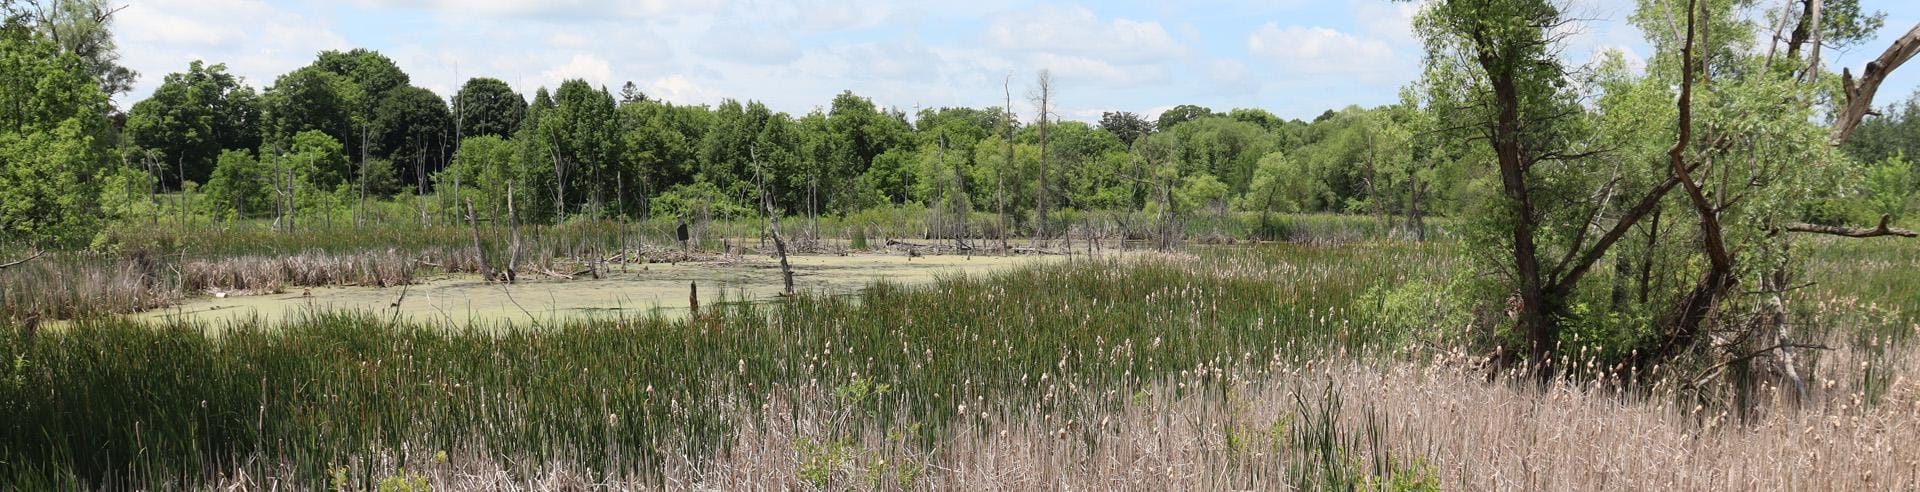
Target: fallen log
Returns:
[[1883, 229]]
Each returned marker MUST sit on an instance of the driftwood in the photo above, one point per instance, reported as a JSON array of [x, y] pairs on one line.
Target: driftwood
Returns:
[[1883, 229], [549, 272], [1033, 251]]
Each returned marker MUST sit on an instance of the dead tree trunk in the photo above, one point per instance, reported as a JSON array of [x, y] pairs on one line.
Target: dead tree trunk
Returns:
[[766, 207], [480, 251], [1045, 88], [1000, 172], [513, 230]]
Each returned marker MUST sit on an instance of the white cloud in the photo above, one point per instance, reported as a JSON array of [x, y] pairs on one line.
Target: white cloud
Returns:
[[896, 61], [1323, 51], [1231, 76], [593, 69], [679, 89], [258, 41], [1077, 31], [1392, 22], [1077, 70], [554, 9], [569, 40], [754, 46]]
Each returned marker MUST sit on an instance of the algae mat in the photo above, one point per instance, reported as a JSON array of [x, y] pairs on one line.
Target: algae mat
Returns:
[[639, 290]]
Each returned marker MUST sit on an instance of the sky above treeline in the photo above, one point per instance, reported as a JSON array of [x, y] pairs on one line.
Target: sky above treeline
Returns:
[[1295, 58]]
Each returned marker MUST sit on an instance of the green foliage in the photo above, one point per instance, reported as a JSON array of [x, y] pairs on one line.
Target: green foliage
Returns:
[[488, 106], [1892, 189], [410, 127], [318, 160], [311, 99], [1125, 126], [54, 142], [237, 189], [192, 117], [1181, 114], [699, 200], [1201, 192]]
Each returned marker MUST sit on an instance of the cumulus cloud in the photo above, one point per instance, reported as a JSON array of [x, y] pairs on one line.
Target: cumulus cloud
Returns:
[[593, 69], [1392, 22], [1323, 51], [679, 89], [258, 41], [1077, 31]]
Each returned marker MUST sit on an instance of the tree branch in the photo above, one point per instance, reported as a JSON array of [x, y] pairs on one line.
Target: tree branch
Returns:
[[1882, 230], [1860, 92], [36, 255]]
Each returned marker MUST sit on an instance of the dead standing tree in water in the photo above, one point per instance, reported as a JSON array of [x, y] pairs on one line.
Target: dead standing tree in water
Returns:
[[1043, 96], [773, 219]]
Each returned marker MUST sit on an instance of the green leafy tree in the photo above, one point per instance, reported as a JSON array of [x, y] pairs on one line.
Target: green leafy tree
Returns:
[[583, 138], [484, 166], [1126, 126], [311, 99], [192, 117], [54, 140], [488, 106], [1181, 114], [238, 188], [320, 160], [412, 128], [662, 142], [81, 28]]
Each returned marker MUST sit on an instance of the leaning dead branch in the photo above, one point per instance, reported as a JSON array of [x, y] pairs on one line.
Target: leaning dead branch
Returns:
[[36, 255], [1860, 91]]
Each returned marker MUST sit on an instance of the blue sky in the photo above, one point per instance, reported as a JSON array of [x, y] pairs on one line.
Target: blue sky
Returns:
[[1293, 57]]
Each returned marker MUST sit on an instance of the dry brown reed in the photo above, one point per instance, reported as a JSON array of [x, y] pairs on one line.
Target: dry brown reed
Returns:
[[1398, 425]]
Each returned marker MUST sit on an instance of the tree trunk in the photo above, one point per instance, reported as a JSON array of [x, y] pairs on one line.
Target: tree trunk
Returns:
[[1000, 172], [486, 267], [1040, 207]]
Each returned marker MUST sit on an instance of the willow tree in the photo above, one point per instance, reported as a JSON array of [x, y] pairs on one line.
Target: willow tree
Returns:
[[1729, 126], [1493, 67]]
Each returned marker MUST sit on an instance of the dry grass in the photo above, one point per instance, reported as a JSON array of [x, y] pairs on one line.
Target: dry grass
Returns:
[[257, 274], [66, 286], [1405, 426]]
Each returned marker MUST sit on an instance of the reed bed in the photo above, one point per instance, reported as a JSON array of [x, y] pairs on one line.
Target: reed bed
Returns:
[[1261, 368], [1333, 423], [114, 403], [76, 285]]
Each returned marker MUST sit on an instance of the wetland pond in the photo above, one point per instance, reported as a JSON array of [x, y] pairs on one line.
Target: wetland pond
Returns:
[[638, 290]]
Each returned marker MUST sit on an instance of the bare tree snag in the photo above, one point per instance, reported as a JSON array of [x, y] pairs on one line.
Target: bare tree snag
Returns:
[[513, 228], [486, 268], [1860, 91], [1884, 229], [1000, 172], [693, 299], [766, 206], [1044, 87]]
